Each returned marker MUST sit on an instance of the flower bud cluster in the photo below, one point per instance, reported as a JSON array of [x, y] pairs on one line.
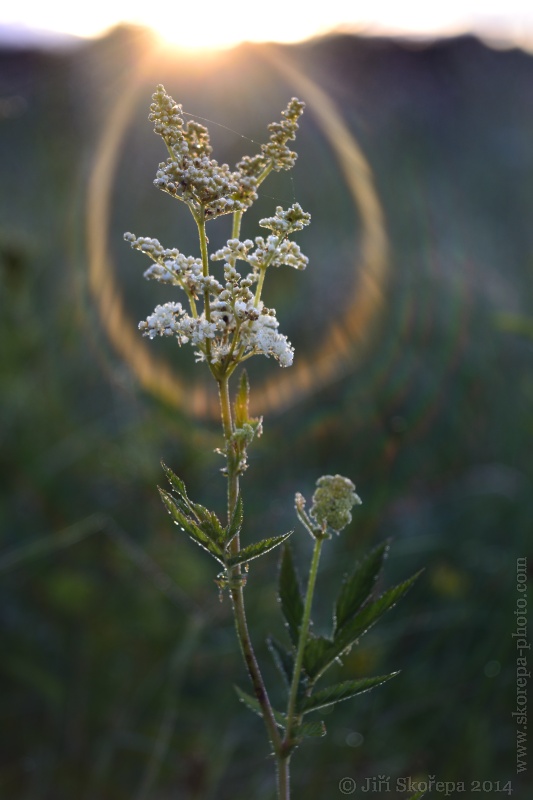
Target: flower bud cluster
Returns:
[[286, 222], [205, 185], [190, 174], [166, 116], [275, 153], [210, 188], [333, 501]]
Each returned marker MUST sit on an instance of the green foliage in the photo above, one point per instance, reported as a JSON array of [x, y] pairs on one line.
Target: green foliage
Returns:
[[321, 652], [235, 524], [341, 691], [283, 659], [196, 533], [304, 730], [290, 594], [253, 704], [354, 613], [255, 550], [204, 527], [242, 404], [316, 654], [207, 521], [357, 588], [310, 730]]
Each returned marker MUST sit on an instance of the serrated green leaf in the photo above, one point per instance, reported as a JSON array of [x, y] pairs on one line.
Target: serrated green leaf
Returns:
[[205, 519], [191, 528], [308, 730], [341, 691], [181, 519], [256, 550], [209, 523], [357, 588], [242, 401], [283, 659], [253, 705], [176, 483], [235, 524], [290, 595], [370, 614], [317, 649], [318, 662]]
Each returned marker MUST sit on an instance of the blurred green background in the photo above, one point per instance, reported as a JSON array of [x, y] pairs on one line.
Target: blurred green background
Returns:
[[117, 658]]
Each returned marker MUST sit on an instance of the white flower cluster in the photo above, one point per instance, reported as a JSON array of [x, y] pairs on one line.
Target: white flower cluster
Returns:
[[171, 319], [275, 250], [236, 326], [233, 323], [285, 222], [170, 265], [261, 336]]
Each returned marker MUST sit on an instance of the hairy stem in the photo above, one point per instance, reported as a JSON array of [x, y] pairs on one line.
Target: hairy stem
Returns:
[[284, 778], [236, 578]]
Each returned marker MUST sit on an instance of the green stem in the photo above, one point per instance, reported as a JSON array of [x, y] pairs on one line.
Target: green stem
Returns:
[[236, 228], [227, 427], [284, 778], [293, 696], [259, 288], [236, 581], [200, 222], [265, 173], [262, 274]]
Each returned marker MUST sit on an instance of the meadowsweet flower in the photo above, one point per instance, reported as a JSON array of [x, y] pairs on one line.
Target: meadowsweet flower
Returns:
[[171, 319], [333, 501], [285, 222], [282, 132], [261, 336], [208, 188], [271, 252], [233, 324], [163, 322], [170, 265], [232, 251], [166, 116]]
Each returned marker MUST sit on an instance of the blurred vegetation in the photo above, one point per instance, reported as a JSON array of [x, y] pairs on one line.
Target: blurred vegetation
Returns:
[[117, 658]]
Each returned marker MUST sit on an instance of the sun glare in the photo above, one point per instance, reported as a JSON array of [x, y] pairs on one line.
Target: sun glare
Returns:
[[222, 27], [184, 23], [213, 24]]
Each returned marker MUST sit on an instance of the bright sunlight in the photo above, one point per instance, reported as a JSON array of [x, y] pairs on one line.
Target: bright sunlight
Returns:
[[225, 23]]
